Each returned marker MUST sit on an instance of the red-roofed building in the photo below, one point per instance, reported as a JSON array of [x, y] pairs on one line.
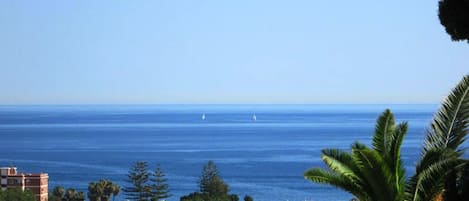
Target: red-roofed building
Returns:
[[36, 183]]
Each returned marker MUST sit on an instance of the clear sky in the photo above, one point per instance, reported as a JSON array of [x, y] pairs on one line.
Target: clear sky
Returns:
[[151, 52]]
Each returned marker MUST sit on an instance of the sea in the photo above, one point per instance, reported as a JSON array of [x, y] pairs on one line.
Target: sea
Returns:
[[260, 150]]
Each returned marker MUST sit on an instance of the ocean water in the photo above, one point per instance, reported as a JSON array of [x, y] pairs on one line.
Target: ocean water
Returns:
[[265, 158]]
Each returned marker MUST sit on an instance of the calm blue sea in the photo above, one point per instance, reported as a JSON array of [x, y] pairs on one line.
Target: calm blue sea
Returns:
[[264, 158]]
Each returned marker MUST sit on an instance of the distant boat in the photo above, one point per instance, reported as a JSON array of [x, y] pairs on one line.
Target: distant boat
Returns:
[[254, 118], [203, 116]]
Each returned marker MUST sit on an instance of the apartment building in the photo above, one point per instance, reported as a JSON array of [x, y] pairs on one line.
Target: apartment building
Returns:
[[36, 183]]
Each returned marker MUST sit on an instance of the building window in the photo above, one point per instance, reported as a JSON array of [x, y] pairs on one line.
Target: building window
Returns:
[[14, 181]]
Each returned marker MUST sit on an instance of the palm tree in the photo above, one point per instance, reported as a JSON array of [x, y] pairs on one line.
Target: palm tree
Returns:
[[378, 175], [441, 154], [73, 195], [57, 194], [375, 174], [457, 183], [102, 190]]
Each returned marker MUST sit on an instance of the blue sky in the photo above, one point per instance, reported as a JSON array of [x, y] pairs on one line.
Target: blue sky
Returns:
[[151, 52]]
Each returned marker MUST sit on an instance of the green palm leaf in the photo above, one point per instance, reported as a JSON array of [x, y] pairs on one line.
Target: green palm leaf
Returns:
[[450, 124], [441, 150], [376, 173], [370, 174], [383, 132], [429, 182], [395, 156], [340, 162], [319, 175]]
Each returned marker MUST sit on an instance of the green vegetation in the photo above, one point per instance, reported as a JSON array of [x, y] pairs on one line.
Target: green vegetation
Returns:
[[248, 198], [441, 152], [138, 177], [369, 174], [377, 174], [102, 190], [457, 184], [16, 194], [211, 183], [60, 194], [212, 187], [160, 187], [454, 16], [146, 186]]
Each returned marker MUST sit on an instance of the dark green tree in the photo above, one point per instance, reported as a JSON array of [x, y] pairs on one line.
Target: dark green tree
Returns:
[[60, 194], [138, 177], [196, 196], [211, 182], [233, 197], [57, 193], [212, 187], [16, 194], [159, 186], [457, 183], [454, 16], [248, 198], [102, 190], [73, 195]]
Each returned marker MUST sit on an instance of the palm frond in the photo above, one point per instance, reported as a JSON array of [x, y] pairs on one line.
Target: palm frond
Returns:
[[429, 183], [383, 132], [341, 163], [319, 175], [395, 160], [358, 146], [376, 174], [450, 124], [433, 156]]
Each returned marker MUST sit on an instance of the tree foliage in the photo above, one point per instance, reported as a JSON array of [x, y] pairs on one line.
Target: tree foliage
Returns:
[[248, 198], [198, 196], [159, 186], [454, 16], [212, 187], [70, 194], [371, 174], [16, 194], [146, 186], [138, 178], [442, 153], [102, 190], [457, 183], [377, 174], [211, 182]]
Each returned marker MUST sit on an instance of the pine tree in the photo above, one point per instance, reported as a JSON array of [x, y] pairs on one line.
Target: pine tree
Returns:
[[138, 177], [160, 187], [211, 183], [212, 187]]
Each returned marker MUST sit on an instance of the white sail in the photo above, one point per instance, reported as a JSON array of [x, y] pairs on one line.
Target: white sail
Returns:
[[254, 118], [203, 116]]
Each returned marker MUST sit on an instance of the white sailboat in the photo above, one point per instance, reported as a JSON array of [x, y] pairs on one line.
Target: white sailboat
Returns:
[[254, 118], [203, 116]]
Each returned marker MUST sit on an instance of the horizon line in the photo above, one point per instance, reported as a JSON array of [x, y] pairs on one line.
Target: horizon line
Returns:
[[182, 104]]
